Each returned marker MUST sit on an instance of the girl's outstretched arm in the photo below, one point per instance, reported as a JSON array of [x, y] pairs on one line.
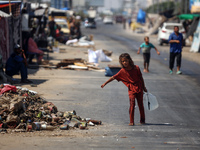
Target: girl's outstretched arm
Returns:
[[109, 80]]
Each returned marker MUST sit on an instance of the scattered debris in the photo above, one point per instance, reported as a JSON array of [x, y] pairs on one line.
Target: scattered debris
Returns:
[[77, 64], [66, 62], [107, 53], [23, 110]]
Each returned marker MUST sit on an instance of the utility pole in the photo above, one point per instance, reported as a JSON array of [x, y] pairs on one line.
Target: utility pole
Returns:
[[185, 6], [158, 6], [10, 9], [154, 10]]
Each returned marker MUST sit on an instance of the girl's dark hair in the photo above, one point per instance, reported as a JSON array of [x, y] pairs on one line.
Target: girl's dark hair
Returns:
[[127, 56]]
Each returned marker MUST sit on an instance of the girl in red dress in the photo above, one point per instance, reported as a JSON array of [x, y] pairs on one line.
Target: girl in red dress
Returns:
[[131, 76]]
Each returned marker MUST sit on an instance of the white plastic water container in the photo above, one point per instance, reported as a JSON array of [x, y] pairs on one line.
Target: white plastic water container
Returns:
[[150, 101]]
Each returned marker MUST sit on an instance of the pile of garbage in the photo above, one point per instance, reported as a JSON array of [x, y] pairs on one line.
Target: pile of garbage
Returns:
[[24, 110]]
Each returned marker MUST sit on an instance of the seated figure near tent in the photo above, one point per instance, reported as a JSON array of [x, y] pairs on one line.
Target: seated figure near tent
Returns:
[[17, 63], [30, 47]]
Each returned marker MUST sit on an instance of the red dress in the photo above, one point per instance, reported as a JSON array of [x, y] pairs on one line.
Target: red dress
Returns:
[[134, 81]]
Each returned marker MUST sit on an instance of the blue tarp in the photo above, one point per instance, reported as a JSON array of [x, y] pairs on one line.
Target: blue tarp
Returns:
[[141, 16], [65, 8]]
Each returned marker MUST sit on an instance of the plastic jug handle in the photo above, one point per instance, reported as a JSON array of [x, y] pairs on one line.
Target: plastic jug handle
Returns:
[[148, 100]]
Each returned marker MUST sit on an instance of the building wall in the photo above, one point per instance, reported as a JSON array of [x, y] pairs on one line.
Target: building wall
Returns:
[[57, 4], [147, 3], [97, 3], [78, 3]]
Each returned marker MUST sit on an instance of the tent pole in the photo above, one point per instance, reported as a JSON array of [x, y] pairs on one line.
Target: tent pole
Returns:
[[10, 11]]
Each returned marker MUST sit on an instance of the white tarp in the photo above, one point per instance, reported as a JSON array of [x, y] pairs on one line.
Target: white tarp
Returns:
[[98, 55], [196, 40]]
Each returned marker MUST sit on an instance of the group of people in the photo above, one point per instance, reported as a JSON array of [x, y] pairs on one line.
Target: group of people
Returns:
[[131, 75], [175, 40], [22, 56], [74, 25]]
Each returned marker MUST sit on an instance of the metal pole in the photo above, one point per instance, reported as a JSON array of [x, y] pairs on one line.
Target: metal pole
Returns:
[[185, 6], [158, 6], [10, 11]]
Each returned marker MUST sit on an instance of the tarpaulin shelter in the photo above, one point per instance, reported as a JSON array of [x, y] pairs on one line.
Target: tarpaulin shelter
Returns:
[[141, 16], [193, 27], [15, 7], [188, 16], [10, 27], [4, 36]]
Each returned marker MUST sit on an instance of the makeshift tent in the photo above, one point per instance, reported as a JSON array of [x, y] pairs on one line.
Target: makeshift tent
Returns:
[[4, 30], [193, 27], [15, 7], [141, 16], [196, 40], [10, 27], [188, 16]]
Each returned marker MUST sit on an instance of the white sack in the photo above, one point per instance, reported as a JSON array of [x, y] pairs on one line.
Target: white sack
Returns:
[[92, 57], [102, 57], [71, 41]]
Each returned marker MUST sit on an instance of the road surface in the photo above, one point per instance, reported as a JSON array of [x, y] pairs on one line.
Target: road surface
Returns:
[[174, 125]]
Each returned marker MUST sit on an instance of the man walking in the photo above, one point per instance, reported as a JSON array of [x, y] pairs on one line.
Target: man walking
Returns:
[[175, 40]]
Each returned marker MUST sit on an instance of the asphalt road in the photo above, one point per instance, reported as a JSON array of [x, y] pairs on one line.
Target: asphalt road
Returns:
[[174, 125]]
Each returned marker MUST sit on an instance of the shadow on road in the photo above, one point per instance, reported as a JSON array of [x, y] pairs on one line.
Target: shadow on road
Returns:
[[159, 124]]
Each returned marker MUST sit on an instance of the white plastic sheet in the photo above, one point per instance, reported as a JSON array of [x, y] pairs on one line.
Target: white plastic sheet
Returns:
[[71, 41], [92, 57], [150, 101], [95, 56], [102, 57]]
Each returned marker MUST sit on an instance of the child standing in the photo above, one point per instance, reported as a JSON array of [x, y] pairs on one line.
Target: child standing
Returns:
[[131, 76], [146, 47]]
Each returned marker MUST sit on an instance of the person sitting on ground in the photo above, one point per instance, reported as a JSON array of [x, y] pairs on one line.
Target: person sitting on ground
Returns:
[[31, 49], [17, 63], [146, 50]]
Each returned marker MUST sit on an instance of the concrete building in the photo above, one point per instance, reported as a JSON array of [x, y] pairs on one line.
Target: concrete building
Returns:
[[60, 3], [146, 3]]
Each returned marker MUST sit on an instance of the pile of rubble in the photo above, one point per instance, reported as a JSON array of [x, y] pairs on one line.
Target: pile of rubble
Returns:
[[24, 110]]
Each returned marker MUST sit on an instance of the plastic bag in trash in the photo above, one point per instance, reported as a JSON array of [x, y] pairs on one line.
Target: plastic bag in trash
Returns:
[[102, 56], [92, 57], [150, 101]]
